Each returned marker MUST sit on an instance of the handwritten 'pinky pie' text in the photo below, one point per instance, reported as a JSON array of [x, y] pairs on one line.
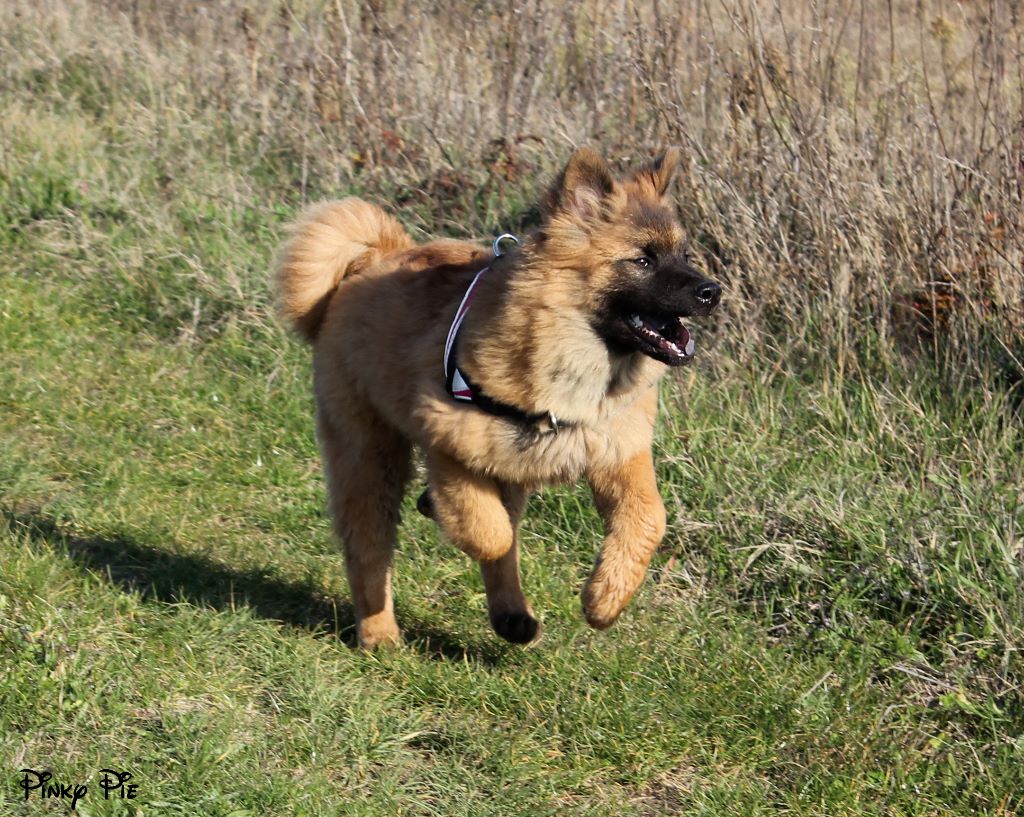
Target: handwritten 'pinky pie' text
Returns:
[[41, 785]]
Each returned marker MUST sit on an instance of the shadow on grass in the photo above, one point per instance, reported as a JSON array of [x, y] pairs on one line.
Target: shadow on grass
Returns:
[[173, 578]]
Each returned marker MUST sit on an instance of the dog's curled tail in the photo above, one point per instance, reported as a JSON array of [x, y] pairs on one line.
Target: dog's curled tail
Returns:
[[328, 242]]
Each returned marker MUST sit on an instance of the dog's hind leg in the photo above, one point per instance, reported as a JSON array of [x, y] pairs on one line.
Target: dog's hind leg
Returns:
[[367, 465], [634, 520], [509, 611]]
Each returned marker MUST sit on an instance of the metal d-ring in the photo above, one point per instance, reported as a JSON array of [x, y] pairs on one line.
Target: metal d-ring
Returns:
[[497, 243]]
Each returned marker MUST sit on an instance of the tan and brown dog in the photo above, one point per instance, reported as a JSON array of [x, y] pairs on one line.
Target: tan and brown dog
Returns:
[[550, 373]]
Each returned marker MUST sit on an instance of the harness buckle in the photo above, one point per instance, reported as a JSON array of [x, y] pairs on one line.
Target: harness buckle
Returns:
[[496, 246]]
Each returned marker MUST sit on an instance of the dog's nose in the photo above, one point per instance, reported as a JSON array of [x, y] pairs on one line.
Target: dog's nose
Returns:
[[709, 293]]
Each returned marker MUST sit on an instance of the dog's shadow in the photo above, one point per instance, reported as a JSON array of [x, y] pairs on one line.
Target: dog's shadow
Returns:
[[164, 576]]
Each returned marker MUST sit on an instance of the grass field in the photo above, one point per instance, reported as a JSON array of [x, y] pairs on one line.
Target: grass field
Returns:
[[835, 622]]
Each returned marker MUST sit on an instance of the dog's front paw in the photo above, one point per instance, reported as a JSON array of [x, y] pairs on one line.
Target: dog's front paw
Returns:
[[378, 631], [601, 605], [600, 619]]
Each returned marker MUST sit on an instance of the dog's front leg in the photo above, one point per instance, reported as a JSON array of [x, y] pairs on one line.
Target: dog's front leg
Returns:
[[634, 520], [469, 508]]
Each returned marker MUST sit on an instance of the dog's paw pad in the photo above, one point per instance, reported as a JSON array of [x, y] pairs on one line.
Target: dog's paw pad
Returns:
[[519, 628]]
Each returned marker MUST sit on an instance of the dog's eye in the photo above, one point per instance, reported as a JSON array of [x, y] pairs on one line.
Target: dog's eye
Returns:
[[643, 261]]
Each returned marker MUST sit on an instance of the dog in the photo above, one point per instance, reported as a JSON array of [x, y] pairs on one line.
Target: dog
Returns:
[[510, 368]]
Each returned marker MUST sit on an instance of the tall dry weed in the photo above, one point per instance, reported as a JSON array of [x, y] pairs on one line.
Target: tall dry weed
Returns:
[[854, 168]]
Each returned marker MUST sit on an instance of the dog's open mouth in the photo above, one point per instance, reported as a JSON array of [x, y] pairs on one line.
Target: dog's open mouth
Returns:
[[663, 337]]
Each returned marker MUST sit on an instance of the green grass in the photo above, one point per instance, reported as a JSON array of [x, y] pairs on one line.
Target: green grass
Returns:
[[833, 626]]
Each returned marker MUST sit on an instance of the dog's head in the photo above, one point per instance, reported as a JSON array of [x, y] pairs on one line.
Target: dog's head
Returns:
[[623, 241]]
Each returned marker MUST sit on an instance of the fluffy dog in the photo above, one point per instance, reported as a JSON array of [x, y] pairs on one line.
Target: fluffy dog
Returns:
[[509, 371]]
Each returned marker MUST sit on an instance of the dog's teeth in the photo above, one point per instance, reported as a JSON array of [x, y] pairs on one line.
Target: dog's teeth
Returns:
[[690, 346], [635, 320]]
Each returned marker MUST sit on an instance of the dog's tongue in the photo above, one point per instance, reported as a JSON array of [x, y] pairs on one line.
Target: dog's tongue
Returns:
[[685, 341]]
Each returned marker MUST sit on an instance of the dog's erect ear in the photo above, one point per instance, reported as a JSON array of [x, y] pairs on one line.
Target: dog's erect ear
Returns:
[[657, 176], [581, 188]]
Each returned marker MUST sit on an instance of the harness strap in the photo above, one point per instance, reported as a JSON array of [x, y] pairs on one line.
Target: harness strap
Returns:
[[455, 381], [464, 390]]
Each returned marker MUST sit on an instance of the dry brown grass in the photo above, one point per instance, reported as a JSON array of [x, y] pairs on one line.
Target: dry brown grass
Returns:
[[854, 169]]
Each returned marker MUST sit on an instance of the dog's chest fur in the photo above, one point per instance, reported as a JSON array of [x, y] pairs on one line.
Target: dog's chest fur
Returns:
[[536, 454]]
